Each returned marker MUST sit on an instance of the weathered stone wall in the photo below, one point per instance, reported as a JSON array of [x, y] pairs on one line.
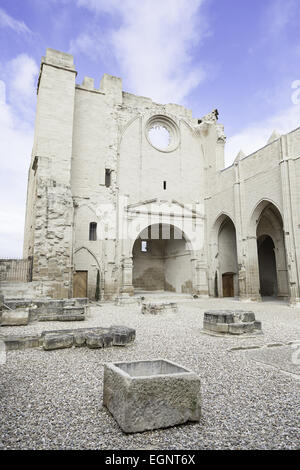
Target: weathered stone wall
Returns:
[[50, 224], [110, 132], [81, 132], [27, 290], [269, 176]]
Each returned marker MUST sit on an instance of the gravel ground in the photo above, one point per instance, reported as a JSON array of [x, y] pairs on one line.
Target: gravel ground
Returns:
[[53, 399]]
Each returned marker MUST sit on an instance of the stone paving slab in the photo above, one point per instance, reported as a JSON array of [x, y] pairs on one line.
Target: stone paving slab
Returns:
[[285, 358]]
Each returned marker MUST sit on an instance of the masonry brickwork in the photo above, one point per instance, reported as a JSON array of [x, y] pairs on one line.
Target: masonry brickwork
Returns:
[[94, 162]]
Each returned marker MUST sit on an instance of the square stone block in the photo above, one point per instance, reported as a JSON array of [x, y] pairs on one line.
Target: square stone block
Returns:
[[257, 325], [144, 395], [218, 316], [57, 341], [14, 317], [244, 316], [215, 327], [241, 328]]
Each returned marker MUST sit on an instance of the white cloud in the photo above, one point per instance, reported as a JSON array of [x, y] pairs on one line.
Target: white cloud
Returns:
[[2, 93], [279, 14], [21, 75], [255, 136], [7, 21], [23, 71], [93, 45], [153, 44], [83, 43], [16, 139]]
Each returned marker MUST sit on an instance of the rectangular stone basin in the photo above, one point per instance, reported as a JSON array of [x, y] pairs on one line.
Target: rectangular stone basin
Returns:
[[144, 395]]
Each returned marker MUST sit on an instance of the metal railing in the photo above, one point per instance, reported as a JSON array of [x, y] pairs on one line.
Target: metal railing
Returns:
[[16, 270]]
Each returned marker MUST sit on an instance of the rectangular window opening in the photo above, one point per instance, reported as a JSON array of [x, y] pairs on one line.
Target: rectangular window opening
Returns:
[[107, 177], [93, 231], [144, 246], [165, 185]]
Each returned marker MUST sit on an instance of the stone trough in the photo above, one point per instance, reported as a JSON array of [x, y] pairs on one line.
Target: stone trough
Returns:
[[232, 322], [144, 395], [155, 308]]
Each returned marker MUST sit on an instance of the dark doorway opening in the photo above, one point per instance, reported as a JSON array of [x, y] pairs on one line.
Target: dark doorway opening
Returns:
[[267, 266], [228, 285]]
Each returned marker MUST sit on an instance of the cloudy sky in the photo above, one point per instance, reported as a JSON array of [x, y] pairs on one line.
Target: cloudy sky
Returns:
[[242, 57]]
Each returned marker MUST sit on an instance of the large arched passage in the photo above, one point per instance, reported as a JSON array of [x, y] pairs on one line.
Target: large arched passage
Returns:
[[223, 256], [273, 274], [162, 260], [227, 256]]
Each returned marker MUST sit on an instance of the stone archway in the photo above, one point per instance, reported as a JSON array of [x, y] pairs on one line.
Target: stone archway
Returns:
[[86, 263], [271, 253], [162, 260], [223, 252], [227, 257]]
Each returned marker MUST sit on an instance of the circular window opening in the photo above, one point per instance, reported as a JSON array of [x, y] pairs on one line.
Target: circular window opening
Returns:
[[159, 136], [162, 133]]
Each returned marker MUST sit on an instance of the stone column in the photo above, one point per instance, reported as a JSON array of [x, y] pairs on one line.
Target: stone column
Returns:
[[252, 270], [127, 286], [51, 228], [281, 269], [290, 216], [248, 278], [199, 277], [239, 229]]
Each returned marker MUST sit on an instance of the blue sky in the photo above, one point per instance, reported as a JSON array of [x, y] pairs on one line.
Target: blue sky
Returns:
[[241, 57]]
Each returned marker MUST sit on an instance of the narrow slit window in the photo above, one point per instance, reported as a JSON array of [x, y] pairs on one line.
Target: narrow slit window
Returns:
[[144, 246], [107, 177], [93, 231], [165, 185]]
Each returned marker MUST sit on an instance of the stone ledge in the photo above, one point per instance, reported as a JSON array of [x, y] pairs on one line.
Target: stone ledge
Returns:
[[230, 322], [14, 317], [90, 337], [43, 310]]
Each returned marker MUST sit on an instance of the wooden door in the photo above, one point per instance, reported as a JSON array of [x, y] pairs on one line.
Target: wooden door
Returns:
[[80, 284], [227, 282]]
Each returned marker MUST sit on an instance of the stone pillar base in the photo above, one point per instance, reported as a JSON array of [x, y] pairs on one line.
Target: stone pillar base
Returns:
[[127, 290], [294, 302]]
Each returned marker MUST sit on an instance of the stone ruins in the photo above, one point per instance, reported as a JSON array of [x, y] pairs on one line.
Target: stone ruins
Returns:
[[128, 195], [232, 322]]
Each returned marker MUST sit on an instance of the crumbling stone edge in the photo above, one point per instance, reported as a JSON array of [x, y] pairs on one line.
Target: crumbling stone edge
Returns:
[[80, 337]]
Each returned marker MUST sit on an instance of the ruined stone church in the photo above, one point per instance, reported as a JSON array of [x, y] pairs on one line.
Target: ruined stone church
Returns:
[[127, 195]]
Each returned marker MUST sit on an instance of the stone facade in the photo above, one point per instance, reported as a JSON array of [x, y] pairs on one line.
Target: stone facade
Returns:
[[105, 196]]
